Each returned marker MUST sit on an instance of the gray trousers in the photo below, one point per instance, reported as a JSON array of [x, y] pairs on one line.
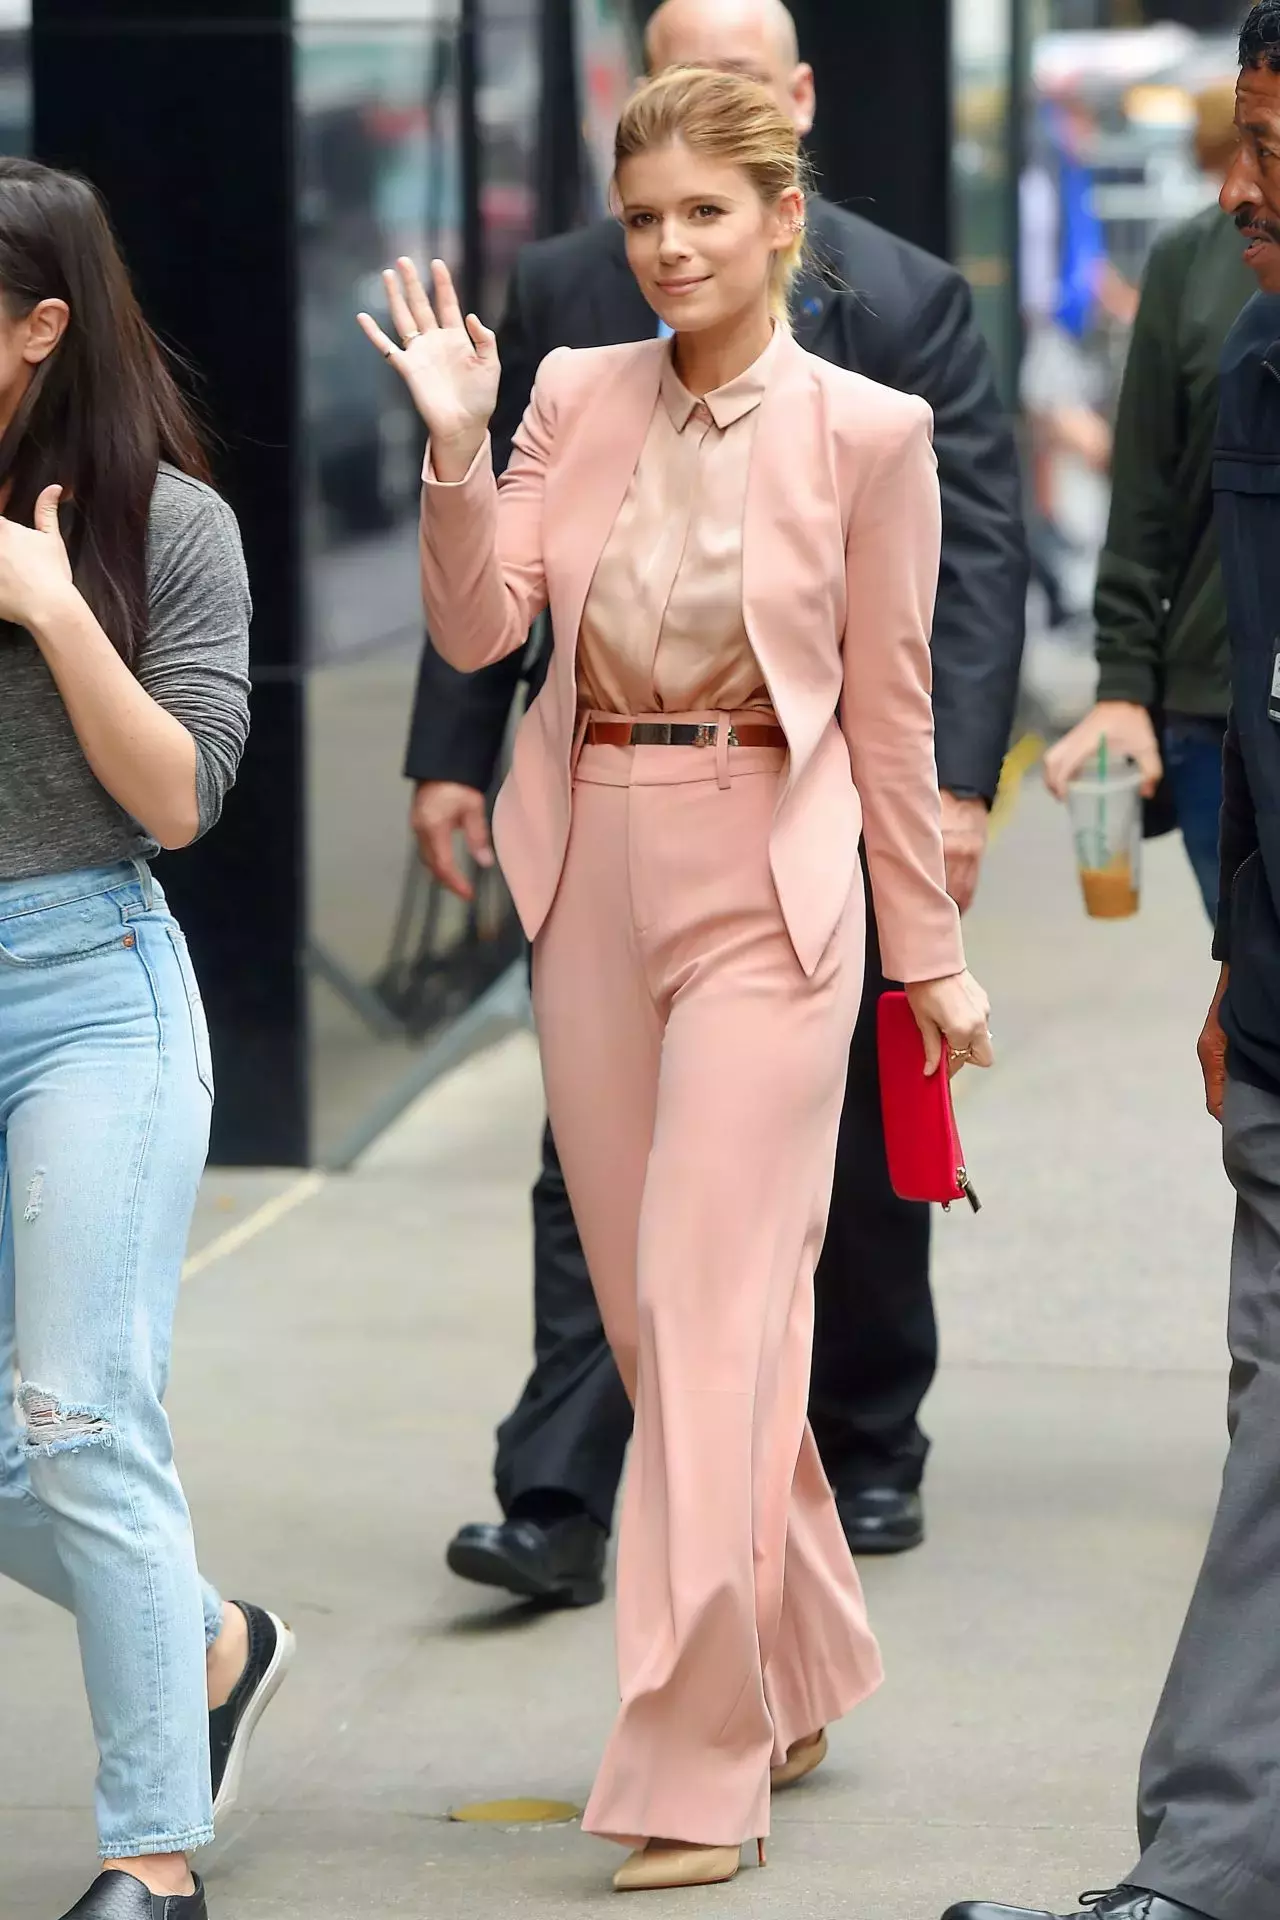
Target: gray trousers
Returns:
[[1209, 1787]]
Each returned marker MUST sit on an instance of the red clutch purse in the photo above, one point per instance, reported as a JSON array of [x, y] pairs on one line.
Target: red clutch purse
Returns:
[[926, 1160]]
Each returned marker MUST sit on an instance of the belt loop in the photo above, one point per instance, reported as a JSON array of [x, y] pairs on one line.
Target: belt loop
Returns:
[[579, 739], [146, 882], [723, 725]]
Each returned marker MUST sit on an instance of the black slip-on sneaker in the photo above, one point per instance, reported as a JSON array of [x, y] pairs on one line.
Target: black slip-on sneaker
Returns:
[[231, 1727], [118, 1896]]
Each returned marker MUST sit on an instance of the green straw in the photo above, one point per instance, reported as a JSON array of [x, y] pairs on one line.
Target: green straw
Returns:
[[1102, 801]]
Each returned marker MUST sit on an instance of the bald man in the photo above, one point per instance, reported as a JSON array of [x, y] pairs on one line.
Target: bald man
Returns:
[[871, 303], [755, 37]]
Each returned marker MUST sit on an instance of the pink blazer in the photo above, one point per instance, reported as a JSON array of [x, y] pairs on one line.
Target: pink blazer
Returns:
[[840, 565]]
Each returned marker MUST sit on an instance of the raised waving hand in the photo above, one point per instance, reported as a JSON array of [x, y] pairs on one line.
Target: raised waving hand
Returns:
[[448, 362]]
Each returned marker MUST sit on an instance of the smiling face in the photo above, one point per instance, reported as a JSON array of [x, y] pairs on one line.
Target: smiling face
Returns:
[[700, 240], [1251, 193]]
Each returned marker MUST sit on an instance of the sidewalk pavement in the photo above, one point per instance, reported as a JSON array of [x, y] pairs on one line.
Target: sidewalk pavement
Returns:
[[343, 1355]]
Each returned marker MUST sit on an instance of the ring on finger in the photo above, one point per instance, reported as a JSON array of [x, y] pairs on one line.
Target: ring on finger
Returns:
[[414, 333]]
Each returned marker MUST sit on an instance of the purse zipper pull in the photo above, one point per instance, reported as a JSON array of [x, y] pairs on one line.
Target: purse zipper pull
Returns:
[[967, 1188]]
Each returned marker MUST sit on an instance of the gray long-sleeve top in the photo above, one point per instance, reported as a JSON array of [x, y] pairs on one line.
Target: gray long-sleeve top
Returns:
[[55, 817]]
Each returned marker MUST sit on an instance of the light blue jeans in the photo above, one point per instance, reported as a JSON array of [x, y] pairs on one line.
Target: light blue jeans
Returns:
[[105, 1095]]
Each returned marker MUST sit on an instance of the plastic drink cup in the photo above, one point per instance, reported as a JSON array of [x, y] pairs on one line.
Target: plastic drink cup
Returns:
[[1106, 822]]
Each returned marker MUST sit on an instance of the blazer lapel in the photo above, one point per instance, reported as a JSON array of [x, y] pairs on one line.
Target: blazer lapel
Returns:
[[792, 524], [585, 493]]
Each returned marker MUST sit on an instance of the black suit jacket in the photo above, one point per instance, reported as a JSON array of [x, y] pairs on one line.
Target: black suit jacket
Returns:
[[868, 302]]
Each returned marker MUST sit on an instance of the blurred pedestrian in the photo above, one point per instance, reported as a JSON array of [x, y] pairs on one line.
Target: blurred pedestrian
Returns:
[[908, 323], [1206, 1795], [1071, 292], [743, 540], [1163, 670], [124, 627]]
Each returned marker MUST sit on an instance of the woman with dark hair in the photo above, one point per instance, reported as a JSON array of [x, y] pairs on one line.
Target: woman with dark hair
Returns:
[[124, 624]]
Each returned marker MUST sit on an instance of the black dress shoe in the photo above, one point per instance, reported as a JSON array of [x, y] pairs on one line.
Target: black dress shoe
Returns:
[[118, 1896], [560, 1562], [231, 1726], [1121, 1903], [881, 1519]]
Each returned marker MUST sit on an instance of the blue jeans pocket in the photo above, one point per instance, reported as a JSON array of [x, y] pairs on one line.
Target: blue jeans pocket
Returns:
[[69, 930], [195, 1008]]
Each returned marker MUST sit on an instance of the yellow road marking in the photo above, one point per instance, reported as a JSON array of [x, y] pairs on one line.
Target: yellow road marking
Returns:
[[1018, 762], [513, 1813]]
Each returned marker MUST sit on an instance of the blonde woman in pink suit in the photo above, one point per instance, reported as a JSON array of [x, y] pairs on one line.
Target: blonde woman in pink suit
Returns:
[[739, 546]]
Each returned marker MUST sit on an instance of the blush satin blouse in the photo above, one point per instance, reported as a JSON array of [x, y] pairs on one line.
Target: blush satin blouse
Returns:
[[662, 630]]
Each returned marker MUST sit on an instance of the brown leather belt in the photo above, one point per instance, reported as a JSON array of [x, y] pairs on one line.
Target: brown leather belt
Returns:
[[678, 733]]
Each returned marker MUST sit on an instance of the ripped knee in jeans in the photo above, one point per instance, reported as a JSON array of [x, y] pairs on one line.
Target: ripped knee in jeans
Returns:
[[53, 1427], [35, 1199]]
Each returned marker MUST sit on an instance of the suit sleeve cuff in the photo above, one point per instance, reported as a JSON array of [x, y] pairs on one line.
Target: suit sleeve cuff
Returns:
[[967, 775], [913, 961], [1127, 680], [483, 459]]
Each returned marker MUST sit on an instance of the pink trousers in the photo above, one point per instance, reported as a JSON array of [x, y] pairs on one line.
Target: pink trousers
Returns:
[[694, 1080]]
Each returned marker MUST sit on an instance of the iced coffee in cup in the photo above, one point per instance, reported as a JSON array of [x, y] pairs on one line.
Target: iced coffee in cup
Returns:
[[1106, 820]]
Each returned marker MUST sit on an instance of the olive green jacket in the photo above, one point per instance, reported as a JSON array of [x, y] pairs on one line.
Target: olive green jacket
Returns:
[[1159, 608]]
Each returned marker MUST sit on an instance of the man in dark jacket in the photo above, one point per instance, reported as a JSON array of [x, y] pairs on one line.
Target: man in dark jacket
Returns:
[[1207, 1789], [908, 323], [1159, 608]]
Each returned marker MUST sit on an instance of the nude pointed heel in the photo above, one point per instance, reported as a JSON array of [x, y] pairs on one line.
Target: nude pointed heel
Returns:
[[801, 1760], [652, 1868]]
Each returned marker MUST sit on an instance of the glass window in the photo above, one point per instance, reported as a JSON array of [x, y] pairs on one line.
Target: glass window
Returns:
[[15, 76], [378, 175], [507, 116], [608, 60], [390, 957], [983, 211]]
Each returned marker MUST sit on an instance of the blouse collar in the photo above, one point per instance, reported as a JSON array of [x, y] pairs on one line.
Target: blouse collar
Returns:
[[725, 404]]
